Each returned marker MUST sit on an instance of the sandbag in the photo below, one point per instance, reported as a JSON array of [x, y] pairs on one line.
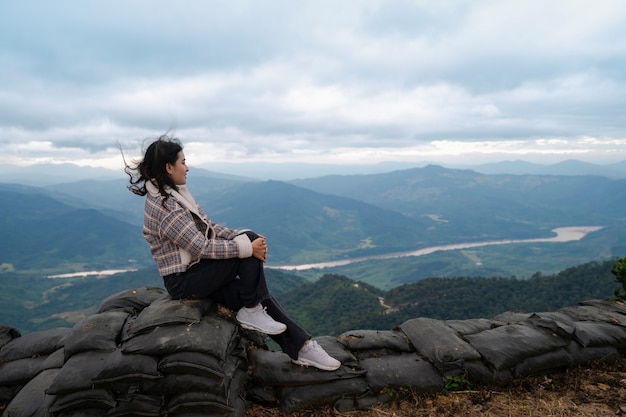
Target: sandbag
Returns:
[[55, 360], [181, 383], [8, 333], [314, 396], [472, 326], [40, 343], [198, 402], [86, 399], [32, 400], [506, 346], [135, 404], [365, 401], [192, 363], [120, 369], [375, 339], [337, 350], [165, 312], [212, 335], [83, 412], [97, 332], [20, 371], [480, 373], [555, 359], [276, 368], [614, 306], [405, 370], [595, 314], [78, 372], [438, 342], [589, 333], [582, 355], [132, 300], [7, 393]]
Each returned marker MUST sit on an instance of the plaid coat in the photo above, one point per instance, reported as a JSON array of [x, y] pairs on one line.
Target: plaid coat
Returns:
[[180, 233]]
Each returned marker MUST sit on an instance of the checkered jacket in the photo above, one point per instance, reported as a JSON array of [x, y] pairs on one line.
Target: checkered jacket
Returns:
[[180, 233]]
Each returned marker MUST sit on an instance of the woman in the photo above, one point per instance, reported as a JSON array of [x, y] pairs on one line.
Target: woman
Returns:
[[199, 258]]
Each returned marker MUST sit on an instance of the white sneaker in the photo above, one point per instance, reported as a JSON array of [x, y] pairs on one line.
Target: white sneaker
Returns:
[[256, 318], [312, 354]]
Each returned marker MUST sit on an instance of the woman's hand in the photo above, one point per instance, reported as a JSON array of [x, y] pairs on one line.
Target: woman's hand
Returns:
[[259, 248]]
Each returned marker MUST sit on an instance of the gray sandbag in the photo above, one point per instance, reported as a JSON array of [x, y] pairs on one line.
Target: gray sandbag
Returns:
[[593, 313], [472, 326], [7, 393], [135, 404], [406, 370], [121, 369], [506, 346], [97, 332], [438, 342], [212, 335], [583, 355], [32, 400], [181, 383], [510, 317], [78, 372], [83, 412], [375, 340], [40, 343], [8, 333], [590, 333], [365, 401], [87, 399], [132, 300], [480, 373], [561, 326], [55, 360], [192, 363], [336, 349], [553, 360], [165, 312], [315, 396], [198, 402], [276, 369], [614, 306], [20, 371]]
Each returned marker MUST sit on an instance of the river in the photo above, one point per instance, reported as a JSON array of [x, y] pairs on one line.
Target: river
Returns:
[[563, 234]]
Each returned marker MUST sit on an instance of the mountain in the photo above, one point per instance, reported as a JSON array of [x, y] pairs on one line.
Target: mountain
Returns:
[[39, 232], [466, 205], [567, 167], [305, 226]]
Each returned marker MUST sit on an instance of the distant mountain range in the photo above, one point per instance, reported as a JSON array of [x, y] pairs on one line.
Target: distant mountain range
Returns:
[[97, 222]]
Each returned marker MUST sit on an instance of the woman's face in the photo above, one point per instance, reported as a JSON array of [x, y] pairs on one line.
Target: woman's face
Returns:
[[178, 171]]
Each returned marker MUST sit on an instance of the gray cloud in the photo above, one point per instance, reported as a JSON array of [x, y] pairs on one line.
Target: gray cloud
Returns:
[[279, 79]]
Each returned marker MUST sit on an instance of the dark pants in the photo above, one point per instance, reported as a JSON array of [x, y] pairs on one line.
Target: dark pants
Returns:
[[236, 283]]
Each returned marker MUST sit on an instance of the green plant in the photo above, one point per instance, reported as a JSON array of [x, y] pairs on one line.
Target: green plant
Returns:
[[619, 270], [457, 383]]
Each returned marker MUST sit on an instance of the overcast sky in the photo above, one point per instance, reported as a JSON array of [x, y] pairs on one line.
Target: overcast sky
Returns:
[[333, 82]]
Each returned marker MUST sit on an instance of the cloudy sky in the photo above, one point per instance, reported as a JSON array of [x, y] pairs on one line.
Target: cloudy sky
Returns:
[[332, 82]]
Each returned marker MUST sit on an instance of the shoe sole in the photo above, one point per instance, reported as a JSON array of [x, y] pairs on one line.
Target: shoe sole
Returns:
[[249, 326], [316, 365]]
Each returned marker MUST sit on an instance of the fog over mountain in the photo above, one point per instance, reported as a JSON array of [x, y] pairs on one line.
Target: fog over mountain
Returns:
[[48, 174]]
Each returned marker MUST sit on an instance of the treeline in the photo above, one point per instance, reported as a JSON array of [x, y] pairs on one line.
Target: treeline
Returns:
[[335, 304], [328, 306]]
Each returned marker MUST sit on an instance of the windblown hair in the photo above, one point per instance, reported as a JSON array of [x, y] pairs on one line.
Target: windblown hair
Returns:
[[152, 167]]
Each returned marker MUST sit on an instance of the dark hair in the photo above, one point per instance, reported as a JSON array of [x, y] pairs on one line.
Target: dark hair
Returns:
[[152, 167]]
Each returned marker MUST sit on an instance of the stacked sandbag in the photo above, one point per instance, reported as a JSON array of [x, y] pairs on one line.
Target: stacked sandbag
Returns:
[[27, 363], [141, 354], [375, 366], [144, 354]]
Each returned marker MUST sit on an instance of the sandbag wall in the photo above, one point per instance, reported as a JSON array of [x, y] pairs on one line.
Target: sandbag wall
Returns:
[[144, 354], [141, 354]]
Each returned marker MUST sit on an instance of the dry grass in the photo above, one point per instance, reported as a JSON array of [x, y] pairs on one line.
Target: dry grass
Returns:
[[597, 390]]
